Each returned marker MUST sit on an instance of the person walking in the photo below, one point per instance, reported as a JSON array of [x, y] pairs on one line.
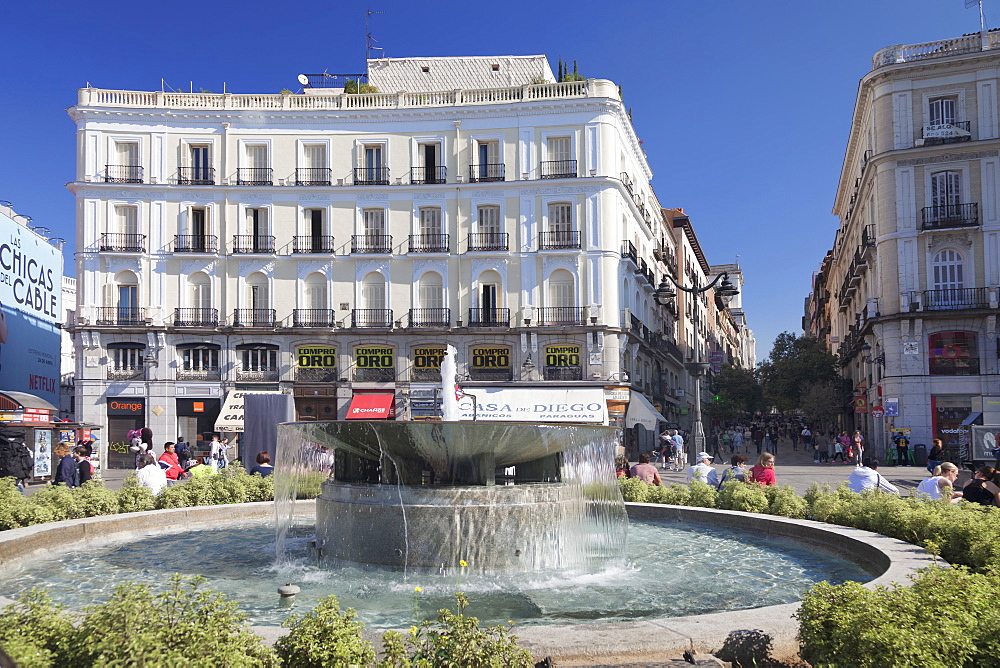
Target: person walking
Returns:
[[738, 443], [858, 446], [807, 436], [772, 438], [758, 437], [795, 439], [902, 449]]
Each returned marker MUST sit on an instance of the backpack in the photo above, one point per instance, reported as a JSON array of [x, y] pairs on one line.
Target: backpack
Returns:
[[182, 450]]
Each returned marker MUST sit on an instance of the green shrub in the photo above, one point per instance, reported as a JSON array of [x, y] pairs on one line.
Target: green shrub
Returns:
[[737, 495], [325, 637], [634, 490], [948, 617], [455, 639], [134, 498], [95, 499], [35, 632], [702, 495], [784, 502]]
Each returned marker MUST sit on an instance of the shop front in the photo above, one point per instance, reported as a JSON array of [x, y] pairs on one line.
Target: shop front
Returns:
[[196, 418], [372, 406], [948, 412], [28, 419], [581, 405], [315, 389], [643, 421], [562, 362], [124, 415]]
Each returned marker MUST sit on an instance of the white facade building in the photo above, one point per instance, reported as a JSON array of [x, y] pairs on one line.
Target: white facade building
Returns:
[[330, 245]]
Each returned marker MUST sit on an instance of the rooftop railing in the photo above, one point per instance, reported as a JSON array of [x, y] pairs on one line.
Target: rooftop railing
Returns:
[[908, 53]]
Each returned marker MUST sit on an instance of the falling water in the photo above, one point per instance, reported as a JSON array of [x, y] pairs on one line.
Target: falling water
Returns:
[[449, 371]]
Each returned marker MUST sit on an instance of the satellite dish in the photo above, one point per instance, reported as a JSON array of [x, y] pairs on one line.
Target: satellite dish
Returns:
[[303, 79]]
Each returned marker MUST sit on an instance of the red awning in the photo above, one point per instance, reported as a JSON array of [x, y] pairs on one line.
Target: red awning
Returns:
[[372, 407]]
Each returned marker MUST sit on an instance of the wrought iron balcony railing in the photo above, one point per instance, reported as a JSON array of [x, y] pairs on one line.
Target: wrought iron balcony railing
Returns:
[[371, 176], [375, 375], [486, 172], [371, 243], [196, 243], [313, 317], [316, 375], [196, 317], [946, 133], [629, 253], [371, 317], [429, 317], [254, 176], [558, 169], [258, 375], [122, 174], [135, 373], [488, 241], [563, 373], [312, 244], [559, 239], [955, 298], [627, 182], [196, 176], [950, 215], [253, 243], [121, 315], [428, 175], [199, 374], [561, 315], [312, 176], [489, 317], [127, 243], [254, 317], [430, 243]]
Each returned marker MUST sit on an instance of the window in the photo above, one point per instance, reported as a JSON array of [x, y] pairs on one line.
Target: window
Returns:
[[946, 188], [558, 148], [123, 163], [430, 292], [489, 219], [560, 217], [314, 156], [430, 220], [257, 156], [488, 152], [953, 354], [488, 164], [373, 291], [948, 270], [200, 290], [127, 221], [490, 295], [127, 153], [126, 298], [315, 291], [942, 111], [313, 170], [372, 157], [199, 357], [258, 357], [428, 168], [559, 161], [258, 293], [562, 292], [257, 222], [126, 356], [199, 170], [199, 222], [373, 221]]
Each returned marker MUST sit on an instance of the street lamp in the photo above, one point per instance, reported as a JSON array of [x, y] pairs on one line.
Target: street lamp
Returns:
[[664, 293]]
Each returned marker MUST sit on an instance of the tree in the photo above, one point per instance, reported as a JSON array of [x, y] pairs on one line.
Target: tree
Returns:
[[797, 364], [736, 391]]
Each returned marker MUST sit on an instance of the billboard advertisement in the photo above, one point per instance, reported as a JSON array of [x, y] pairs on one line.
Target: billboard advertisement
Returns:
[[30, 290]]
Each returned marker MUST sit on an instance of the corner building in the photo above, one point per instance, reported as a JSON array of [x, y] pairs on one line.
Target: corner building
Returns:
[[330, 245], [908, 295]]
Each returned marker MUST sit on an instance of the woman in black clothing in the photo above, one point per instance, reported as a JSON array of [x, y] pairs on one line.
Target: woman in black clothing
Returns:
[[935, 456], [983, 488]]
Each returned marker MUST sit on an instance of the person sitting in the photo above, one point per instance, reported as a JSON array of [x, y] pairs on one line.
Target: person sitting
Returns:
[[645, 471], [151, 475], [943, 478], [763, 472], [736, 471], [67, 472], [263, 467], [984, 488], [621, 466], [866, 477], [85, 470], [703, 470], [170, 463]]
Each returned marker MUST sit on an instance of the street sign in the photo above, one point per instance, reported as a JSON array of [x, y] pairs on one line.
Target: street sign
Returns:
[[891, 407], [877, 412]]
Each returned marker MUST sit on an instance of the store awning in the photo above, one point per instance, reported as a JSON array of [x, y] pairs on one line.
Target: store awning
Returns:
[[974, 418], [21, 400], [371, 407], [640, 411]]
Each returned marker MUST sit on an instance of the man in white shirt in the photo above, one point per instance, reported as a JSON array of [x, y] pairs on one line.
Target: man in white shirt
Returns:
[[703, 471], [866, 477]]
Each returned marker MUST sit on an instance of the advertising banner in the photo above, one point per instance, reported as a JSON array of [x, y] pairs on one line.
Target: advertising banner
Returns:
[[30, 290], [534, 404], [562, 356], [428, 357], [317, 357], [43, 452], [231, 416]]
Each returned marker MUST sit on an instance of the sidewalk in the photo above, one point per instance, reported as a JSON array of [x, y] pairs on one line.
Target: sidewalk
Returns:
[[798, 470]]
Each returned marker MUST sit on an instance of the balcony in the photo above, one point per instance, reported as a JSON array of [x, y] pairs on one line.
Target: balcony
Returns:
[[196, 317], [254, 176], [124, 243], [137, 373], [317, 375], [627, 182], [489, 317], [563, 373], [955, 298], [371, 243], [946, 133], [628, 252], [313, 317], [258, 375], [312, 176], [312, 244], [949, 215], [488, 241], [209, 374], [121, 315], [491, 374], [868, 236], [196, 243], [428, 175], [371, 176], [254, 317], [558, 169], [425, 375], [558, 239], [371, 317], [486, 172], [429, 317], [196, 176], [430, 243], [261, 244], [122, 174], [560, 315]]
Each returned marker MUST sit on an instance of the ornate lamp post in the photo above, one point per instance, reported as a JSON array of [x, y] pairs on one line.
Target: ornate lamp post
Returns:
[[664, 293]]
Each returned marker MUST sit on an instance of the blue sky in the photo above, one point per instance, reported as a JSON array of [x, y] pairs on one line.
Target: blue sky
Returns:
[[743, 107]]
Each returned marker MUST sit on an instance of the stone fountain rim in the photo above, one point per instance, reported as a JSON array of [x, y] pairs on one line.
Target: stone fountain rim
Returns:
[[891, 560]]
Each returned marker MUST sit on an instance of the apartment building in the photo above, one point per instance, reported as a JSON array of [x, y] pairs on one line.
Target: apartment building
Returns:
[[330, 245], [908, 295]]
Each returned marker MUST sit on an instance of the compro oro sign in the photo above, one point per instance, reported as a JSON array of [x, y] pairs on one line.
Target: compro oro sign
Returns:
[[231, 416], [534, 404]]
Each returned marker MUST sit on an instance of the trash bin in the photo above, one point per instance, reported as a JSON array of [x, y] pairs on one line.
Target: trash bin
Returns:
[[920, 454]]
